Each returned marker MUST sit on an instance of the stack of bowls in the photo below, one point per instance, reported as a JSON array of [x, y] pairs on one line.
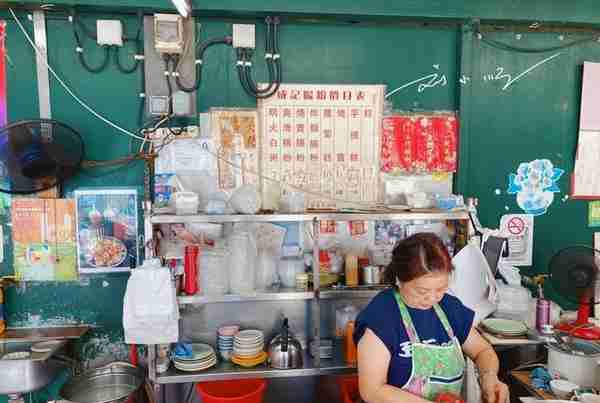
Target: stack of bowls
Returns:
[[225, 336], [202, 357], [325, 349], [248, 348]]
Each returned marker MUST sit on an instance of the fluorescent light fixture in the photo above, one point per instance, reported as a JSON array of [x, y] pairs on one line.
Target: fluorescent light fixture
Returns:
[[184, 7]]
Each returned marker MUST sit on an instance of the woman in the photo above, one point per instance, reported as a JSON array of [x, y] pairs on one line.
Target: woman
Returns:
[[411, 338]]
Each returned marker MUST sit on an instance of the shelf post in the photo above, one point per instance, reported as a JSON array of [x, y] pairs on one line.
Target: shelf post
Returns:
[[316, 312]]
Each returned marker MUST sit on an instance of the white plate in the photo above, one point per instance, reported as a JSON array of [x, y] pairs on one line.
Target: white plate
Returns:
[[17, 355], [191, 368], [247, 354], [45, 346], [249, 334], [504, 326], [200, 351]]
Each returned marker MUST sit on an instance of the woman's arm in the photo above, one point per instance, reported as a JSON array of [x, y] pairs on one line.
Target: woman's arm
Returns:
[[486, 360], [373, 363]]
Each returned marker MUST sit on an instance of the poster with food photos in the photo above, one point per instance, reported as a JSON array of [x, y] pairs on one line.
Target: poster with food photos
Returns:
[[107, 230], [324, 139]]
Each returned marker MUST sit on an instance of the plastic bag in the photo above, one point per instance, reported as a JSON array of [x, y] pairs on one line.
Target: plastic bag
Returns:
[[245, 200], [343, 315]]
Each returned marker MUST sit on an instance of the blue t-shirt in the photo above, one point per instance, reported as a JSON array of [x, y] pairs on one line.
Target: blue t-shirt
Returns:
[[382, 316]]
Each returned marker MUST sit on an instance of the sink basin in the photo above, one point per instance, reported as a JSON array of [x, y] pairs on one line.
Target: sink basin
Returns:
[[25, 372]]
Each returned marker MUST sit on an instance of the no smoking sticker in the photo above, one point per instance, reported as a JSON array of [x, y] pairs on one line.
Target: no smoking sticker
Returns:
[[518, 229]]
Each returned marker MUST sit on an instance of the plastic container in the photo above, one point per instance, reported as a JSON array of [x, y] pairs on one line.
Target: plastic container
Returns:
[[266, 270], [186, 203], [288, 268], [214, 272], [190, 278], [242, 262], [350, 350], [237, 391], [348, 385]]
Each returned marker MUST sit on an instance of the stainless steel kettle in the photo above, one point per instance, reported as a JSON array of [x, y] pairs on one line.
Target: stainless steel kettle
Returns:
[[285, 351]]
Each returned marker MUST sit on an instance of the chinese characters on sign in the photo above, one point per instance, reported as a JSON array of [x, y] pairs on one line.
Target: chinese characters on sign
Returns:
[[325, 139], [419, 143]]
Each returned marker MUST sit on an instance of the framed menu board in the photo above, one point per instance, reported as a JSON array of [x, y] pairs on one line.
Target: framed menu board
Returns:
[[323, 139]]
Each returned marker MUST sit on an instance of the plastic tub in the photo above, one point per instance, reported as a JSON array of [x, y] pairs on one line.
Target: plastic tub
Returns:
[[237, 391]]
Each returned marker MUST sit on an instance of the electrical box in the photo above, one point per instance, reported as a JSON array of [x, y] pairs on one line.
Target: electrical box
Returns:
[[158, 105], [109, 32], [168, 33], [244, 36], [182, 103]]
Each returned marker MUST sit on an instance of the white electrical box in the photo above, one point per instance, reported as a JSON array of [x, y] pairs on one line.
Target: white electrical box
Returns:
[[168, 33], [158, 105], [244, 36], [182, 103], [109, 32]]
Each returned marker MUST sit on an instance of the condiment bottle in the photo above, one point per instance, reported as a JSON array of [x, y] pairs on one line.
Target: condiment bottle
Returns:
[[350, 352], [542, 310], [351, 270], [190, 269]]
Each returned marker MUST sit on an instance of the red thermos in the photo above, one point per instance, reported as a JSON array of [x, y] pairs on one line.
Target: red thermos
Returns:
[[190, 269]]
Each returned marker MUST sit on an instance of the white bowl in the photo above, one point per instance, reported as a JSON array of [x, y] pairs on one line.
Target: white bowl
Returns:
[[561, 388]]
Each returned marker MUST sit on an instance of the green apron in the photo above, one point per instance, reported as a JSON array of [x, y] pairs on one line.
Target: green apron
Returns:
[[435, 369]]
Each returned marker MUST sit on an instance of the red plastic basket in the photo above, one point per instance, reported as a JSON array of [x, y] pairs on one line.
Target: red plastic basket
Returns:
[[349, 388], [237, 391]]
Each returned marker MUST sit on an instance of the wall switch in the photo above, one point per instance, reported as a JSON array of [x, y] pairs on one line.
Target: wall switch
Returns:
[[244, 36], [109, 32]]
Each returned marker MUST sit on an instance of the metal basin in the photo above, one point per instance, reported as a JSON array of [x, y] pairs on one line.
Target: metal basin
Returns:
[[23, 375]]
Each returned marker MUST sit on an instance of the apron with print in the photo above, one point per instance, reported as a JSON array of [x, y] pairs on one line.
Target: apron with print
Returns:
[[435, 369]]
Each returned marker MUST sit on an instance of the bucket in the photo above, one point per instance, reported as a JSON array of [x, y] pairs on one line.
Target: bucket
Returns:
[[349, 388], [237, 391]]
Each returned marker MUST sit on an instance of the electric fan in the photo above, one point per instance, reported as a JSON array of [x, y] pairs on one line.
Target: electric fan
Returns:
[[36, 155], [574, 272]]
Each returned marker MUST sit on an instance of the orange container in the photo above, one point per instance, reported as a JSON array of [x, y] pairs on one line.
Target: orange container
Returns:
[[238, 391], [348, 388], [350, 352]]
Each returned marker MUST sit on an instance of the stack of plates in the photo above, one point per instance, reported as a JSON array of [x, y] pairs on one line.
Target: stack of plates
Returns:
[[225, 335], [248, 347], [203, 357], [326, 348], [504, 327]]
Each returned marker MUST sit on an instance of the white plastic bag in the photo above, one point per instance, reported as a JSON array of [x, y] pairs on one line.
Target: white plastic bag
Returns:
[[245, 200]]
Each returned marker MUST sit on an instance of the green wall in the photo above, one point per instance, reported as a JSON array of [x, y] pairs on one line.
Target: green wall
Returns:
[[535, 118]]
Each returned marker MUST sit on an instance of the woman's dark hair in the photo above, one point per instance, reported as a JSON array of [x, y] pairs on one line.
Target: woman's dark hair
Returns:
[[416, 256]]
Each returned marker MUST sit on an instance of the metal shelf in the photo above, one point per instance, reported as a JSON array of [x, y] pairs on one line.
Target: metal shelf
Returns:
[[282, 294], [369, 292], [228, 370], [405, 215]]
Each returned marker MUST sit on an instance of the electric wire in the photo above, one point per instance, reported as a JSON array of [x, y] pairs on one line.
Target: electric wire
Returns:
[[511, 48], [269, 61], [62, 83], [79, 49], [201, 48], [138, 49]]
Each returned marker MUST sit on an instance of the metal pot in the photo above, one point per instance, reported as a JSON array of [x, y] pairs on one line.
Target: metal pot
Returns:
[[111, 383], [285, 351], [578, 362]]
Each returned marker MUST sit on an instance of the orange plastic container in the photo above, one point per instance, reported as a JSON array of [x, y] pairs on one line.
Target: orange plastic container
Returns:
[[348, 388], [238, 391]]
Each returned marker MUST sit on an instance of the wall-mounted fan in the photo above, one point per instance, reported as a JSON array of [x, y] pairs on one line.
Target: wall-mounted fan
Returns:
[[574, 275], [36, 155]]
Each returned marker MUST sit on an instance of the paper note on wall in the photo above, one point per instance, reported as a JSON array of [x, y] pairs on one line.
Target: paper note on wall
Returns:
[[519, 230], [589, 118], [322, 138], [594, 214]]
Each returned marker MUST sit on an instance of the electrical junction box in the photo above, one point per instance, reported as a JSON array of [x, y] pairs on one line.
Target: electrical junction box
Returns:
[[158, 105], [244, 36], [182, 103], [109, 32], [168, 33]]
